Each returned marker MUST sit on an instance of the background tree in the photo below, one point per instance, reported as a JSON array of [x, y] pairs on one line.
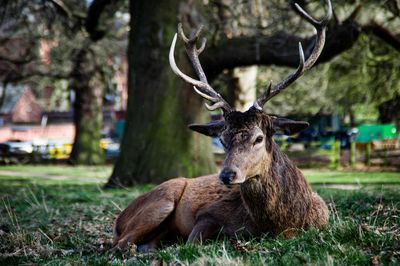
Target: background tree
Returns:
[[83, 41], [156, 143], [90, 51]]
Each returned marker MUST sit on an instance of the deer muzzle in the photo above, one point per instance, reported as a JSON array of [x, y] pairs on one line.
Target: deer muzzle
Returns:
[[231, 175]]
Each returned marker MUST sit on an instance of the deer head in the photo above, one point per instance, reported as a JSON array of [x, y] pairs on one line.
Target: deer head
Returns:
[[247, 136]]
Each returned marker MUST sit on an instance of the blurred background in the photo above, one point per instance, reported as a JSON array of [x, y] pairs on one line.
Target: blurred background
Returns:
[[89, 83]]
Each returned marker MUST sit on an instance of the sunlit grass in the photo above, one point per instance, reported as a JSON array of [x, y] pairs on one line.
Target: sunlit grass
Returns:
[[54, 174], [20, 175], [351, 177], [103, 171]]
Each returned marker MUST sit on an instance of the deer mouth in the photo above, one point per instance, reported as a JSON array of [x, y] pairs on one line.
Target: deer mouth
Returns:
[[231, 183], [239, 182], [252, 177]]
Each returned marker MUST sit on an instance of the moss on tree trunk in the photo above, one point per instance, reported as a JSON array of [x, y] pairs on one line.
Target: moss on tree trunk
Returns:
[[157, 144], [88, 115]]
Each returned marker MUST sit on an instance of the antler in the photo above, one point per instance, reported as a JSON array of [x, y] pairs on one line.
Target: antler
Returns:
[[200, 86], [320, 26]]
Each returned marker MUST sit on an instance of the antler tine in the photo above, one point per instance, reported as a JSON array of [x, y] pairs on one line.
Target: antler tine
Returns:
[[193, 39], [320, 26], [202, 45], [192, 51], [200, 86], [274, 90], [194, 36], [258, 104], [311, 20], [178, 72]]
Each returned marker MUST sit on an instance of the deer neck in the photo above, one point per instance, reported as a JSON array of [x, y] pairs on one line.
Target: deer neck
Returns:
[[280, 197]]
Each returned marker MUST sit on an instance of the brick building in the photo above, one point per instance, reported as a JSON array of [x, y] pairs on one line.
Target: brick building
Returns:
[[19, 105]]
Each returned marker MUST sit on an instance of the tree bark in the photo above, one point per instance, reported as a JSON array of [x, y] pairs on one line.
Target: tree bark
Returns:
[[389, 111], [88, 114], [384, 34], [157, 144], [241, 87]]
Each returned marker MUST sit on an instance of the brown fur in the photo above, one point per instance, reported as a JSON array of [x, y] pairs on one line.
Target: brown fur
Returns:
[[270, 195]]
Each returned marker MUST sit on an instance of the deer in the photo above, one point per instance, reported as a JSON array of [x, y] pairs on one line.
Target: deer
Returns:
[[258, 190]]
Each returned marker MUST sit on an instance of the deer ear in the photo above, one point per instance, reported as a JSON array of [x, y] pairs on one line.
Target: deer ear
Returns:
[[211, 129], [288, 126]]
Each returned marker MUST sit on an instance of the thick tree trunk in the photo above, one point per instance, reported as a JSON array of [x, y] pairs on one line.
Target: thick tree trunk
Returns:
[[246, 91], [157, 144], [88, 115]]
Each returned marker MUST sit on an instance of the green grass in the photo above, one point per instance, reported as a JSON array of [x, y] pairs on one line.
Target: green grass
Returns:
[[61, 222], [53, 174], [351, 177], [64, 170]]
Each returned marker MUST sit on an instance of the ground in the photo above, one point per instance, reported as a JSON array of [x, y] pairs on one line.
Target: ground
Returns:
[[58, 215]]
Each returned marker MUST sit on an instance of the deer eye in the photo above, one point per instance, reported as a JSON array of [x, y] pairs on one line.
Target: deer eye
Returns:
[[259, 139]]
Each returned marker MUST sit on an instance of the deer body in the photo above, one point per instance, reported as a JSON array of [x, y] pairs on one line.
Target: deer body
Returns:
[[259, 190], [276, 199]]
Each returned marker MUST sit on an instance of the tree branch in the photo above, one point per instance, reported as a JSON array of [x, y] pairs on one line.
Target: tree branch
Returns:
[[15, 73], [16, 61], [383, 34], [93, 16], [280, 49], [62, 7]]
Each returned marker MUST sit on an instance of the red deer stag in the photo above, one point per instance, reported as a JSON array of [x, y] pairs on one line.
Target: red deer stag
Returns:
[[271, 195]]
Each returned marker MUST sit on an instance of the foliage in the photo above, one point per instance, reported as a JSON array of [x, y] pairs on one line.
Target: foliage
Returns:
[[68, 36], [60, 223]]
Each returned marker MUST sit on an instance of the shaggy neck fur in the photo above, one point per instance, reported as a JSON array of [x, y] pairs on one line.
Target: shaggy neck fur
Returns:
[[280, 198]]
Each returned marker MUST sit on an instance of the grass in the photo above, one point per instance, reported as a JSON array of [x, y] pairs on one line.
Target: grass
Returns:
[[62, 170], [58, 222], [21, 175], [351, 177]]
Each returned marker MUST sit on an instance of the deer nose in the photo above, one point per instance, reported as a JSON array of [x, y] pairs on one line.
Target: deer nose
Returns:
[[227, 176]]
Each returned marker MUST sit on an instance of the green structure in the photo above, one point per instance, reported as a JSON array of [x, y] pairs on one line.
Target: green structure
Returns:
[[368, 133]]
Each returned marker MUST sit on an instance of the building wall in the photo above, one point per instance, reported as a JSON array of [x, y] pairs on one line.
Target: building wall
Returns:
[[27, 110], [120, 78], [64, 132]]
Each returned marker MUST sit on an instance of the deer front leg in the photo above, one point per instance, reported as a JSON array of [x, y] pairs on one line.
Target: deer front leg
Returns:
[[144, 223], [154, 243], [205, 228]]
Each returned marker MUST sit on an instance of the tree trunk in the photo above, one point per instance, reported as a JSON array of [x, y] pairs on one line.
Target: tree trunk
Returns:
[[242, 91], [88, 115], [246, 90], [389, 111], [157, 144]]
